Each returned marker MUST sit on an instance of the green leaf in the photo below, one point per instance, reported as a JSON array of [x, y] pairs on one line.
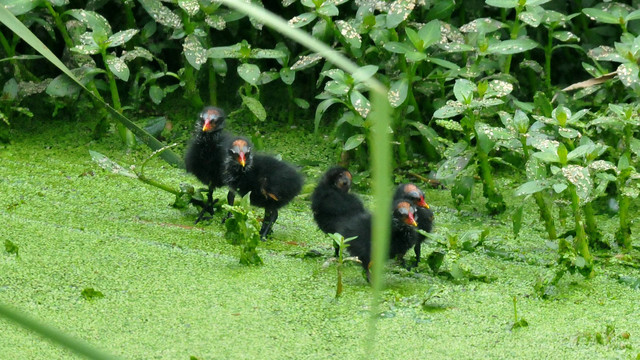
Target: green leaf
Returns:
[[91, 294], [579, 176], [450, 125], [225, 52], [249, 73], [635, 146], [451, 109], [118, 67], [302, 19], [634, 15], [349, 33], [328, 9], [353, 142], [531, 187], [509, 47], [601, 16], [398, 92], [398, 47], [10, 247], [399, 11], [581, 150], [415, 56], [110, 165], [267, 54], [628, 74], [337, 88], [21, 7], [194, 52], [156, 94], [413, 36], [443, 63], [255, 107], [517, 220], [287, 75], [565, 36], [364, 73], [506, 4], [360, 103], [430, 33], [322, 107], [430, 134], [482, 26], [558, 188], [452, 166], [463, 90], [191, 7], [441, 10], [301, 103], [531, 18], [549, 156], [161, 14], [485, 144], [121, 37], [93, 20]]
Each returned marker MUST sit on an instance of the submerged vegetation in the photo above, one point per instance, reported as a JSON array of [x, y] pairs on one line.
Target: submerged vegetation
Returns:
[[517, 115]]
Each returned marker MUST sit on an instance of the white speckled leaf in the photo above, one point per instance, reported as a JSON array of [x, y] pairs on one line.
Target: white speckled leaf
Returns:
[[509, 47], [224, 52], [350, 34], [121, 37], [605, 53], [255, 107], [306, 61], [190, 6], [360, 103], [628, 74], [450, 125], [93, 20], [353, 142], [118, 67], [267, 54], [302, 19], [137, 52], [194, 52], [399, 11], [451, 109], [215, 21], [398, 92], [506, 4], [161, 14], [579, 176]]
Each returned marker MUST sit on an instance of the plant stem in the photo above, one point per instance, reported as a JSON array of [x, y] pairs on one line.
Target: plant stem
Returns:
[[547, 59], [580, 242], [125, 134], [623, 234], [545, 214], [514, 35], [495, 203], [593, 233], [60, 25], [190, 87]]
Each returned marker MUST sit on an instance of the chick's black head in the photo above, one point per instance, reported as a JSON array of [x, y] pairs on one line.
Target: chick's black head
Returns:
[[240, 152], [414, 194], [338, 177], [211, 119], [404, 212]]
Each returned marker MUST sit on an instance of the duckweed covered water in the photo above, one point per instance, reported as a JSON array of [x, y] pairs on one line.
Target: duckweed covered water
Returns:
[[173, 290]]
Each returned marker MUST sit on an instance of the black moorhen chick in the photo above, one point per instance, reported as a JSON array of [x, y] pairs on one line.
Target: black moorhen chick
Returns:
[[206, 151], [414, 195], [403, 236], [273, 183], [331, 200]]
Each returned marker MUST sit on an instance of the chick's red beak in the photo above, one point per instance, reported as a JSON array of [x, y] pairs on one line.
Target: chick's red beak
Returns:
[[207, 125], [423, 203], [410, 220], [241, 159]]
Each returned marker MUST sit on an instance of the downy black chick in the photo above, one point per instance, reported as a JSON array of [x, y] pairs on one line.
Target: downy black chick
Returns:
[[402, 234], [415, 196], [273, 183], [206, 152], [331, 200]]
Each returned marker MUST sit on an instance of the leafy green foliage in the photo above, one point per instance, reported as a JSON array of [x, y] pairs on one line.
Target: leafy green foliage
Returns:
[[91, 294], [10, 247], [243, 229]]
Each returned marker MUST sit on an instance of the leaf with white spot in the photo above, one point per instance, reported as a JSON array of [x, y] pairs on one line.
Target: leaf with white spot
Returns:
[[580, 178], [505, 4], [430, 33], [137, 52], [399, 11], [156, 94], [452, 166], [509, 47], [463, 90], [350, 34], [225, 52], [482, 25], [398, 92], [304, 19], [328, 9], [215, 21], [628, 74], [450, 109], [287, 75], [121, 37], [194, 52], [161, 14], [306, 61], [118, 67], [565, 36], [605, 53], [21, 7], [601, 16], [336, 88], [360, 103], [249, 73], [364, 73], [93, 21], [450, 125], [398, 47], [548, 156], [191, 7], [531, 18]]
